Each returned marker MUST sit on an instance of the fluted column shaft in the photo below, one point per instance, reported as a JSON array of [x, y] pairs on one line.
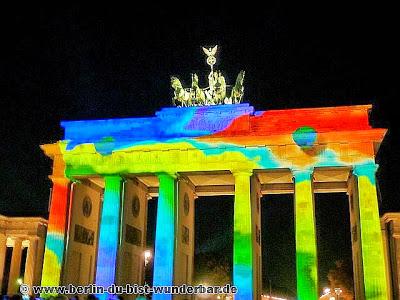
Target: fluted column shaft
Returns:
[[109, 233], [165, 234], [3, 250], [242, 237], [305, 234], [373, 260], [15, 267], [30, 265], [55, 238]]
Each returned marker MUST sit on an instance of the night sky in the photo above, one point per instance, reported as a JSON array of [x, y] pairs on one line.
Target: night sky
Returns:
[[104, 62]]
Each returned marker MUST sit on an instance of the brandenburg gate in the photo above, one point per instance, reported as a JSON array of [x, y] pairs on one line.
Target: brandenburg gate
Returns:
[[105, 172]]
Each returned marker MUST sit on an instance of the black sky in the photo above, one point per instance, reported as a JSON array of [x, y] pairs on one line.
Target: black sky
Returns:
[[104, 62]]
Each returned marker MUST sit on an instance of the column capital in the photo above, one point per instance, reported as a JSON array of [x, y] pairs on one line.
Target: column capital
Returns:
[[302, 171], [33, 238], [113, 177], [112, 180], [242, 172], [60, 180], [302, 174], [168, 174], [365, 169], [17, 239]]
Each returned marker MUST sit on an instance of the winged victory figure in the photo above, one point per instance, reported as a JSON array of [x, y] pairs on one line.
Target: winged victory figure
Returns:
[[210, 51]]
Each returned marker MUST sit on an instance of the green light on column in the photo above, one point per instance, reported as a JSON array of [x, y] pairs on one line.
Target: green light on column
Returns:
[[242, 238], [306, 243]]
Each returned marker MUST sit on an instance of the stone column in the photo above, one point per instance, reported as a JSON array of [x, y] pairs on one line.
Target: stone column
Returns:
[[39, 260], [386, 252], [15, 267], [396, 265], [165, 234], [30, 265], [306, 240], [131, 258], [109, 233], [243, 238], [55, 238], [256, 196], [373, 261], [184, 252], [391, 247], [3, 250], [355, 239]]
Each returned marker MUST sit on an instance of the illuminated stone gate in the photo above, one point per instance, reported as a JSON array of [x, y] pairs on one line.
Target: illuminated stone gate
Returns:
[[105, 171]]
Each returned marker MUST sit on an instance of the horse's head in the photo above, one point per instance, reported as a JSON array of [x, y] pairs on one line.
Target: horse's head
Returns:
[[176, 83]]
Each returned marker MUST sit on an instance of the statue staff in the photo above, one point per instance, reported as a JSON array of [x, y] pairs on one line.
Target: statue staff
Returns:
[[211, 60]]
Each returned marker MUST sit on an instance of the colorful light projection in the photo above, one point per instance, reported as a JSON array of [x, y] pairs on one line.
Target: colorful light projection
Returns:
[[109, 237], [305, 137], [54, 249], [306, 240], [224, 137], [165, 231], [372, 247], [312, 137], [242, 237]]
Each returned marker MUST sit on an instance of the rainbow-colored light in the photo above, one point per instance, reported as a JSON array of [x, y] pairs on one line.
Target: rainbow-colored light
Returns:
[[306, 239], [372, 247], [165, 230], [109, 237], [242, 238], [55, 240]]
